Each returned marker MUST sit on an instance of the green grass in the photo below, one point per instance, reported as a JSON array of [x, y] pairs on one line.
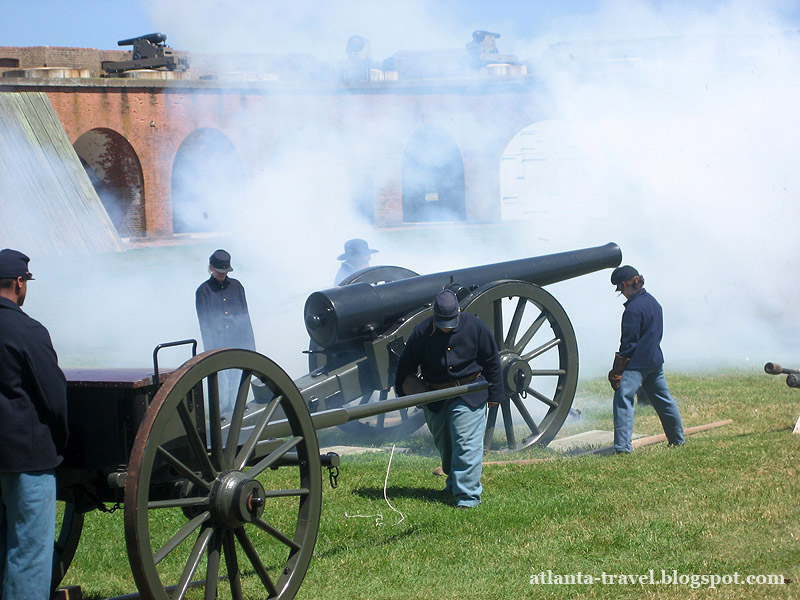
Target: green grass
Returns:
[[725, 503]]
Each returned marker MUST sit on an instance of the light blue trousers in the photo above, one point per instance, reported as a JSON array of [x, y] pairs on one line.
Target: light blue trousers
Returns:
[[655, 384], [457, 431], [27, 534]]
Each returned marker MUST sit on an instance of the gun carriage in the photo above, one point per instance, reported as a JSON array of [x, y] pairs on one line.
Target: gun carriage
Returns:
[[234, 499]]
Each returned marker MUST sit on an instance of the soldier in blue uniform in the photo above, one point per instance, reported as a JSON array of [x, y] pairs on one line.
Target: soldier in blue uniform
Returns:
[[452, 349], [640, 362], [224, 319], [33, 437]]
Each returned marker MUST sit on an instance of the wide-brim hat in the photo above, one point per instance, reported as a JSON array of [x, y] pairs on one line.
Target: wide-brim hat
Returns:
[[623, 273], [445, 309], [220, 261], [356, 247]]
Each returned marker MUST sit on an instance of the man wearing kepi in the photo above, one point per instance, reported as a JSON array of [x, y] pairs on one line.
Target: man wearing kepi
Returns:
[[33, 437], [640, 362], [452, 349], [224, 318]]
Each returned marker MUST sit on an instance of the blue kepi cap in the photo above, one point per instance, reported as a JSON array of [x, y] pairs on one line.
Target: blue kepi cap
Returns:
[[623, 273], [445, 309], [14, 264]]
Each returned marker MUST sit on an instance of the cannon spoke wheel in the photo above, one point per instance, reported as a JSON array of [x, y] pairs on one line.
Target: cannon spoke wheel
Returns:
[[213, 501], [68, 534], [396, 425], [539, 358]]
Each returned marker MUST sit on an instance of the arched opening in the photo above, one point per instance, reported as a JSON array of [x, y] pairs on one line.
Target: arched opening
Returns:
[[207, 183], [433, 178], [116, 174], [545, 172]]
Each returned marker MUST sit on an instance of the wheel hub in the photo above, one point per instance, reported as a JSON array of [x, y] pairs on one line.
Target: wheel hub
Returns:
[[516, 372], [236, 499]]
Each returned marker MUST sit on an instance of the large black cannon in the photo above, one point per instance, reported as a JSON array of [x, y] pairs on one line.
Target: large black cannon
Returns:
[[359, 328], [233, 500]]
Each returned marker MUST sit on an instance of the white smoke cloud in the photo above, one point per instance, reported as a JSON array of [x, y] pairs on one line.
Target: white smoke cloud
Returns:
[[686, 115], [696, 132]]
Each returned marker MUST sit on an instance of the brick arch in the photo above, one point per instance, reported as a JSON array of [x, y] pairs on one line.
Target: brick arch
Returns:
[[208, 183], [545, 170], [115, 171], [433, 185]]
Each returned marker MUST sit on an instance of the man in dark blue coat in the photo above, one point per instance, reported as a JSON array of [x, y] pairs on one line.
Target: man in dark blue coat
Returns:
[[640, 362], [451, 349], [33, 437], [224, 319]]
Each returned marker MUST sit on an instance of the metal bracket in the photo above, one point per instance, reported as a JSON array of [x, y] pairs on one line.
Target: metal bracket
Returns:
[[168, 345]]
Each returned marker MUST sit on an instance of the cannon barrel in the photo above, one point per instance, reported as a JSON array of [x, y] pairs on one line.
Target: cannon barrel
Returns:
[[361, 310], [776, 369], [154, 38]]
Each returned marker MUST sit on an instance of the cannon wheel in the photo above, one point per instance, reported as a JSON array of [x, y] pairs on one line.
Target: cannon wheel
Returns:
[[205, 505], [390, 426], [539, 357], [66, 541]]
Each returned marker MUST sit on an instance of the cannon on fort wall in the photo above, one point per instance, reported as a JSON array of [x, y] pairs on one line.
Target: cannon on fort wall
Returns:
[[150, 51], [231, 502]]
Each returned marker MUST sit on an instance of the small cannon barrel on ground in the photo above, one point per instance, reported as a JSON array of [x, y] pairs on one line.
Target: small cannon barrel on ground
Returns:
[[792, 375]]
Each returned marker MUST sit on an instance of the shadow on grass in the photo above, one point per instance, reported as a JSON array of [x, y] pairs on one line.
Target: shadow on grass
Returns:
[[424, 494], [345, 547]]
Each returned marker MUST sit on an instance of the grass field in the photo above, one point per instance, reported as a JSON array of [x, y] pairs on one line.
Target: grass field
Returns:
[[724, 504]]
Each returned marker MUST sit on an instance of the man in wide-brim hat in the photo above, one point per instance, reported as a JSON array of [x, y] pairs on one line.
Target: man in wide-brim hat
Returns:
[[356, 257]]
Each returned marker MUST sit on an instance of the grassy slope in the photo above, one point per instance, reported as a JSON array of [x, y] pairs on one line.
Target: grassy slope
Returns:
[[724, 503]]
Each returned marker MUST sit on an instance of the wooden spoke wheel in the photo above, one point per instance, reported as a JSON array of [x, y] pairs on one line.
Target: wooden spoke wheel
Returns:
[[389, 426], [210, 500], [539, 358], [68, 534]]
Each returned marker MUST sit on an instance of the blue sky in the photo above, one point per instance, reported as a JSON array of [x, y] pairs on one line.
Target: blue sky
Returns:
[[321, 27]]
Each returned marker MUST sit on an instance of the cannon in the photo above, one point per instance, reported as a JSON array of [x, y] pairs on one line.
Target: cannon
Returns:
[[234, 500], [149, 52], [792, 380], [792, 375], [359, 330]]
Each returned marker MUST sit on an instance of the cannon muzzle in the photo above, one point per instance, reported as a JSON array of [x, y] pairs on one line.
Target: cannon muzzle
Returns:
[[363, 311], [153, 38], [775, 369]]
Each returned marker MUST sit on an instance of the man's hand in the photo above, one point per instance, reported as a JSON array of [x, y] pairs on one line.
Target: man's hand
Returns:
[[615, 374]]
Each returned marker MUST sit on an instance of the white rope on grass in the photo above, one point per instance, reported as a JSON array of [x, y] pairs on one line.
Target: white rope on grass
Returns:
[[379, 517]]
